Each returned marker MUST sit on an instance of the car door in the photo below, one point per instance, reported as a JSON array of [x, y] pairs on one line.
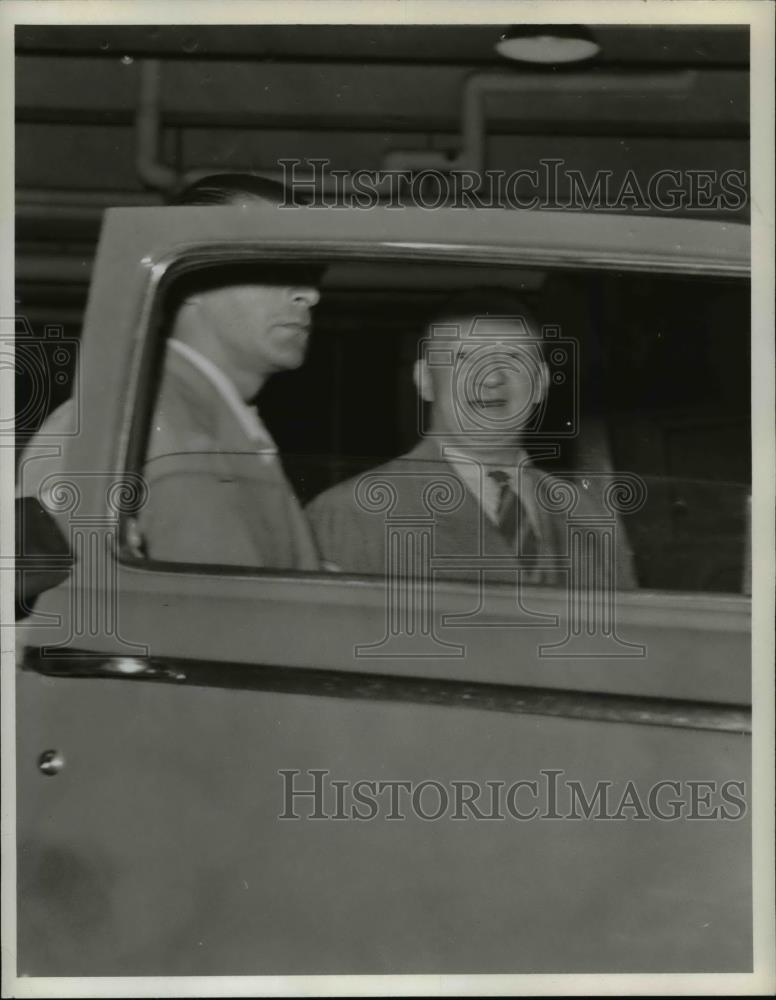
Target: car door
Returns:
[[233, 771]]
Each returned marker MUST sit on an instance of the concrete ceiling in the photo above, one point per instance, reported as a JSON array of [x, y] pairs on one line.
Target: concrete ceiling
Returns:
[[678, 45], [243, 97]]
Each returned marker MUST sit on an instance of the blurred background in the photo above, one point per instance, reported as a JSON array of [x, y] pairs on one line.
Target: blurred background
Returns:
[[112, 115]]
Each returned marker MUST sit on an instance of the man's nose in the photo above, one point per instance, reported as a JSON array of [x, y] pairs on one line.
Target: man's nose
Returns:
[[306, 296]]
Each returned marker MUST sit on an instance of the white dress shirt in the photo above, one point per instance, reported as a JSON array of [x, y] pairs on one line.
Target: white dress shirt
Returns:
[[485, 490], [246, 415]]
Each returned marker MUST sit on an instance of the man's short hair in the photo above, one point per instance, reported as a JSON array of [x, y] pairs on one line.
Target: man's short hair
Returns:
[[231, 273], [483, 303], [230, 188]]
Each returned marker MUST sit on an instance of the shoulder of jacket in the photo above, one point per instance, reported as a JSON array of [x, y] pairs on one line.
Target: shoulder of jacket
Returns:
[[183, 417]]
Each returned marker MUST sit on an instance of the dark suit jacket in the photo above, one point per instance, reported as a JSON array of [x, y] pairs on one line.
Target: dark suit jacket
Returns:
[[354, 538]]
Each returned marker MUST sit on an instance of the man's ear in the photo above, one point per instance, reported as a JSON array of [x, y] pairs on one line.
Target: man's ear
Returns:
[[424, 383]]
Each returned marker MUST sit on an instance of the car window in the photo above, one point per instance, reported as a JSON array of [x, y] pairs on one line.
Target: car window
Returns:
[[290, 427]]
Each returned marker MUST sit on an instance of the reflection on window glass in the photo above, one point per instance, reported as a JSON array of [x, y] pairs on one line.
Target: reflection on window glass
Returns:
[[467, 422]]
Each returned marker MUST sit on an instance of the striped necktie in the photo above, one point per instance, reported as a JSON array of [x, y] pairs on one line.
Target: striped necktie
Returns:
[[512, 517]]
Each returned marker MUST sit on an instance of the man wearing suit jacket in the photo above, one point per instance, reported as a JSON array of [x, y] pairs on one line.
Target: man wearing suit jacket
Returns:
[[483, 378], [217, 493]]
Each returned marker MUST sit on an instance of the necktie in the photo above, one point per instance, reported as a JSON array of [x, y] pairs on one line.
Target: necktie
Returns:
[[512, 517]]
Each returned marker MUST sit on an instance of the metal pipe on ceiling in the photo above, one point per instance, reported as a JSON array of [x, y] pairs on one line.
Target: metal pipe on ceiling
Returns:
[[481, 86], [151, 170], [164, 180]]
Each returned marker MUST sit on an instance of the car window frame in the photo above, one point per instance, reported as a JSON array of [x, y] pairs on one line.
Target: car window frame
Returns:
[[148, 334]]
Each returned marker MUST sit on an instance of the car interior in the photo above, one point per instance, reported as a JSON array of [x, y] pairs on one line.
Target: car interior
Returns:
[[655, 382]]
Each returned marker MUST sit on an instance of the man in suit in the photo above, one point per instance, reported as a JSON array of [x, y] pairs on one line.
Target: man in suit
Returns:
[[217, 493], [484, 380]]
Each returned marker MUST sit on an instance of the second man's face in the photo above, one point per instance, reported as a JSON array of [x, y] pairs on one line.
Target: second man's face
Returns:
[[491, 385]]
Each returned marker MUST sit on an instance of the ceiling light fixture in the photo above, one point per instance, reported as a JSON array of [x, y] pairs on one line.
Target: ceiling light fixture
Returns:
[[548, 43]]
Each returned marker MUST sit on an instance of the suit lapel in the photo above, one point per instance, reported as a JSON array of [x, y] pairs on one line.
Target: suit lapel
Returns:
[[466, 530], [469, 531]]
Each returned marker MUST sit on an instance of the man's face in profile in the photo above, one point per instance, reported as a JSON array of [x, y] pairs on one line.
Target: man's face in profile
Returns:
[[262, 328], [487, 380]]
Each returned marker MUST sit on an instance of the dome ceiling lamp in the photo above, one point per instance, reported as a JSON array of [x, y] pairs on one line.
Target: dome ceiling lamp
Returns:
[[548, 44]]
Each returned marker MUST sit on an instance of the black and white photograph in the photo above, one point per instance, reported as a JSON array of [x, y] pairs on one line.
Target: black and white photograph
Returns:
[[387, 452]]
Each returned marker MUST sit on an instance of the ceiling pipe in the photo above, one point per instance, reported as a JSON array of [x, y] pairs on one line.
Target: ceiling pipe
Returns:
[[165, 181], [153, 173], [471, 154]]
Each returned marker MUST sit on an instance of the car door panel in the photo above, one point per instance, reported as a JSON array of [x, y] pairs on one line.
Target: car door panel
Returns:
[[188, 869], [171, 698]]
